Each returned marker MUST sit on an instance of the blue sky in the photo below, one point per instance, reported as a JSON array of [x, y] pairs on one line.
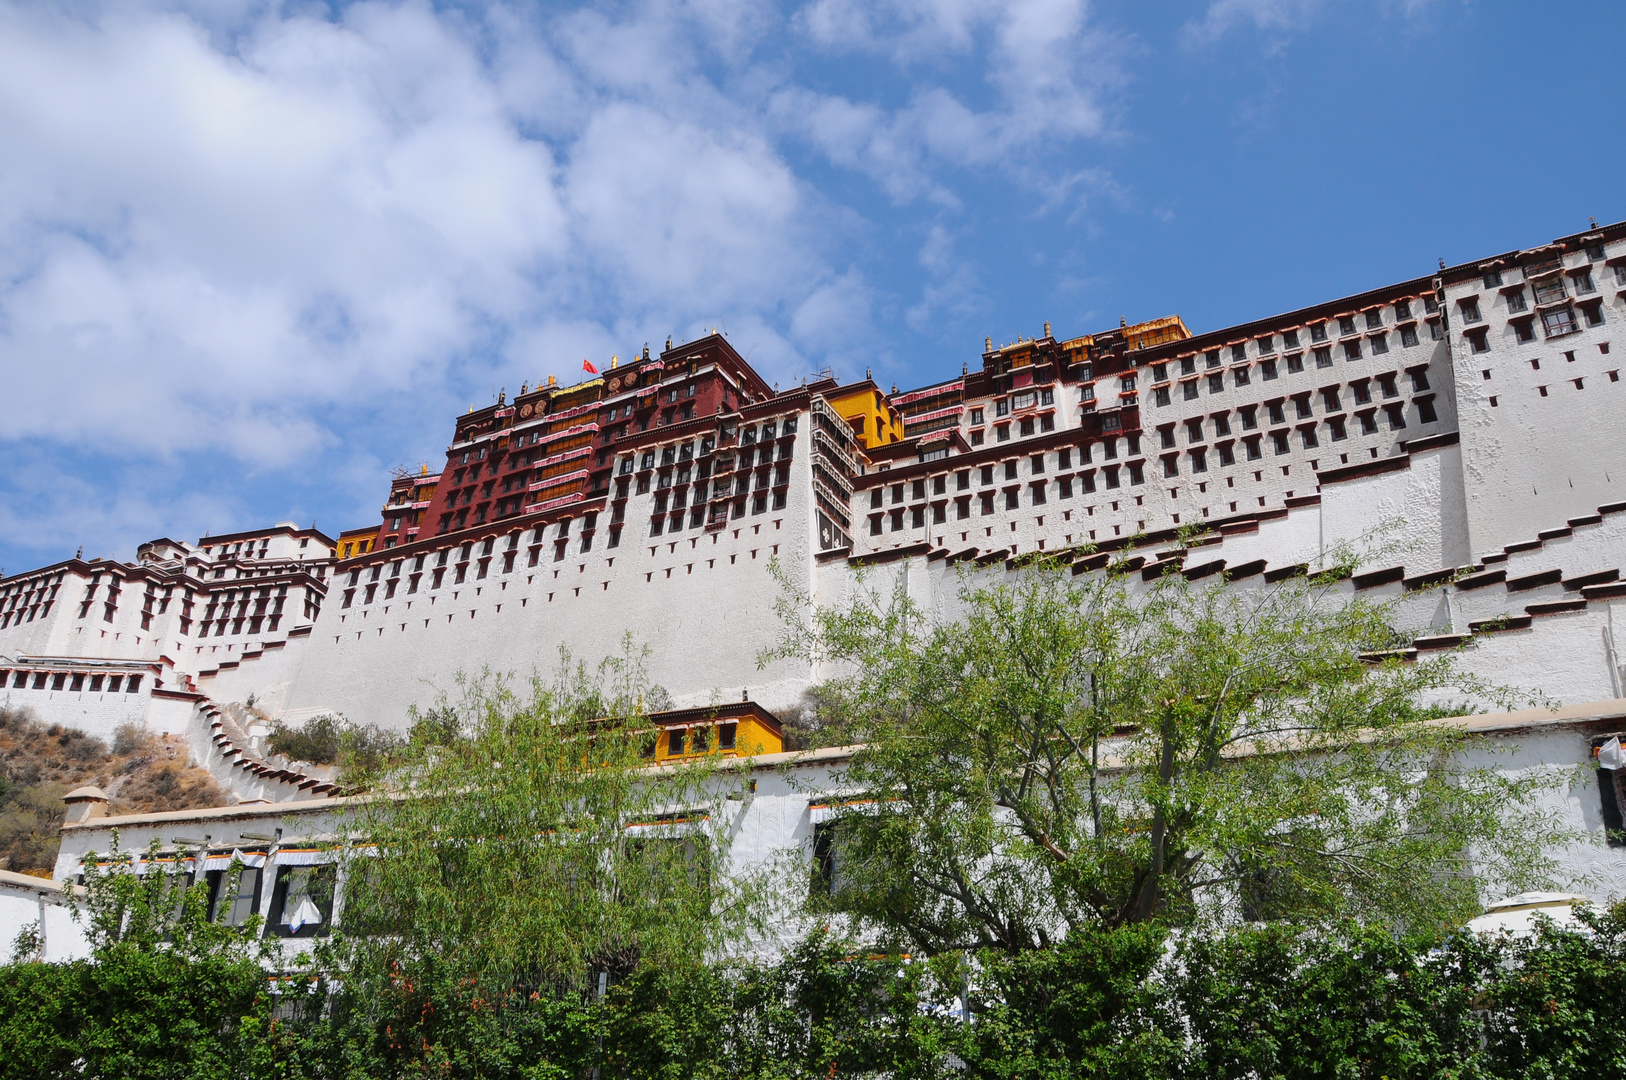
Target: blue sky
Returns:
[[252, 256]]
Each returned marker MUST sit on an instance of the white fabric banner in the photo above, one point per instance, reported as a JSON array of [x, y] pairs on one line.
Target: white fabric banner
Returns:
[[305, 856]]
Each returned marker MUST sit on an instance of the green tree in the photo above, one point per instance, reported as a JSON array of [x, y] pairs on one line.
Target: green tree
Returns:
[[525, 833], [1080, 750], [166, 992]]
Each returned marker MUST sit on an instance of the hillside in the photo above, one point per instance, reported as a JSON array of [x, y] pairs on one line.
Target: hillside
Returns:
[[39, 764]]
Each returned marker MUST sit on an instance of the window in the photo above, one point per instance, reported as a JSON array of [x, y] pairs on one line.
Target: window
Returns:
[[1002, 407], [1166, 435], [1216, 383], [1318, 331], [1295, 363], [988, 502], [1160, 372], [1003, 433], [1226, 456], [1026, 426], [1188, 390], [1419, 378], [1352, 349], [1240, 376], [1290, 339], [1188, 365], [1160, 395], [1267, 344], [1199, 460], [1250, 417], [1583, 281], [1211, 358], [1222, 424], [301, 901], [1470, 308], [1171, 465], [1307, 435], [1380, 344], [1425, 410], [1267, 369], [1329, 398], [962, 480], [1369, 422], [1278, 440], [1408, 336], [1374, 319], [1013, 499], [976, 416], [1251, 445], [1516, 301], [1038, 492], [233, 906], [1323, 357], [1402, 310], [1558, 322], [1274, 408], [1493, 278], [1346, 324], [1335, 425], [1363, 391], [1549, 290]]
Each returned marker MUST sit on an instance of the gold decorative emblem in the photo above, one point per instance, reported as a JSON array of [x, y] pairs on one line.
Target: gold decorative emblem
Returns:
[[525, 410], [615, 384]]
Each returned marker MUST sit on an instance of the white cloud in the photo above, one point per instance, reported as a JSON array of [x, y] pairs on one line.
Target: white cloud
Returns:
[[261, 235], [1047, 71], [1273, 16]]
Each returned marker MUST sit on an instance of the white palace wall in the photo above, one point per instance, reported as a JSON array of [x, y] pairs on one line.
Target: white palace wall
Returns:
[[701, 602]]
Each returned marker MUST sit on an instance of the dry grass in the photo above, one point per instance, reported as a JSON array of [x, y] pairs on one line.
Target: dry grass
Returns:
[[39, 764]]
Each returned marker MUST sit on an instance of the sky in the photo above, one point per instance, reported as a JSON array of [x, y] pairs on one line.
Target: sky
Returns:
[[253, 256]]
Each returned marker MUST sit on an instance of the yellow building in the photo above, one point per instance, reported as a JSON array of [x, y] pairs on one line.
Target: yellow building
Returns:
[[868, 413], [738, 729], [353, 542]]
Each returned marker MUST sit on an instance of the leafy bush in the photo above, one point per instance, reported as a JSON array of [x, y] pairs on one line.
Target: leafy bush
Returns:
[[330, 740], [315, 741]]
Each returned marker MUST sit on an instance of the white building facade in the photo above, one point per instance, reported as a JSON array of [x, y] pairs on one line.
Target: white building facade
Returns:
[[1478, 410]]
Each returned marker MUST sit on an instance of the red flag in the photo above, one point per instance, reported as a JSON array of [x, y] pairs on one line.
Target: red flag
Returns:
[[587, 366]]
